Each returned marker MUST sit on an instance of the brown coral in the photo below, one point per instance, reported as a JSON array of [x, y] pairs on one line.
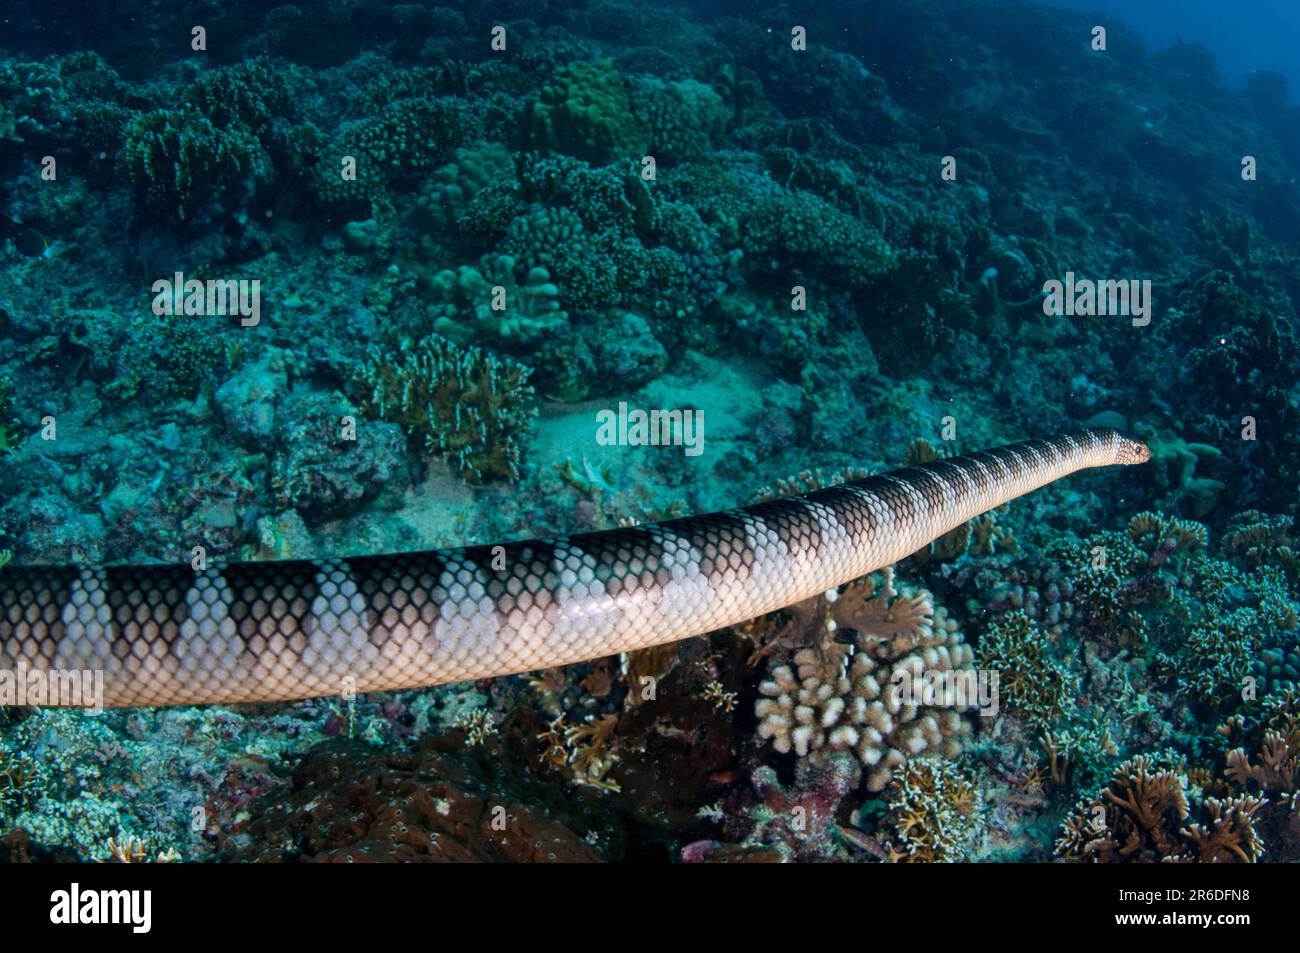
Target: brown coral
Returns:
[[1141, 817], [934, 809]]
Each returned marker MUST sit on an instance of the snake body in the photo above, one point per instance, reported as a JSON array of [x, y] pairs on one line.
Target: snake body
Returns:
[[268, 631]]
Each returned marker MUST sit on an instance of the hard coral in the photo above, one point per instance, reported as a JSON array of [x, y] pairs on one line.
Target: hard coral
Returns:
[[490, 304], [1034, 682], [473, 409], [934, 809], [349, 804], [180, 162], [1141, 816], [823, 701], [583, 111]]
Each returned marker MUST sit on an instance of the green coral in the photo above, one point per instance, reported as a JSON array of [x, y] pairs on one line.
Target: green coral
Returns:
[[10, 436], [800, 230], [530, 309], [604, 197], [583, 111], [246, 96], [1033, 681], [179, 162], [585, 266], [469, 200], [410, 137], [31, 101], [472, 409], [415, 134], [684, 120]]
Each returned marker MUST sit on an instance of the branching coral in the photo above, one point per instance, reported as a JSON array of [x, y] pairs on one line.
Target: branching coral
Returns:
[[9, 434], [490, 305], [799, 230], [588, 268], [1164, 535], [473, 409], [870, 705], [448, 206], [179, 161], [1263, 540], [1033, 681], [935, 810], [684, 119], [247, 96], [1278, 767], [1141, 816], [1077, 755]]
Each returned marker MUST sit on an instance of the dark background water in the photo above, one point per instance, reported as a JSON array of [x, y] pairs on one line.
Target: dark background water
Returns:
[[1243, 36]]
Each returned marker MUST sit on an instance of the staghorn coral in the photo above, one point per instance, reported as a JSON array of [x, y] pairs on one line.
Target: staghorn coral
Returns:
[[1271, 774], [1141, 816], [132, 850], [473, 409], [1077, 756], [478, 727], [825, 701], [1278, 766]]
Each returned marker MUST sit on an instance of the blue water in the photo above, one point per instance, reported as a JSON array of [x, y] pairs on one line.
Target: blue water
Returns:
[[1243, 36]]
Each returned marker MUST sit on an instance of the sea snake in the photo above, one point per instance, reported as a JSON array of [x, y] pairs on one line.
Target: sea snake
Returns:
[[271, 631]]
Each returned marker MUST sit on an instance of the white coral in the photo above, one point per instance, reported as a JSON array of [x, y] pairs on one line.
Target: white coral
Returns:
[[834, 699]]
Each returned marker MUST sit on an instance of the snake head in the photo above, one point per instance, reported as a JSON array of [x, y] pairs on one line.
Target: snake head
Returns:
[[1131, 451]]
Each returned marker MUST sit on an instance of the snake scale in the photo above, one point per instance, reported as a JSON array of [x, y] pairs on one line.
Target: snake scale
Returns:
[[268, 631]]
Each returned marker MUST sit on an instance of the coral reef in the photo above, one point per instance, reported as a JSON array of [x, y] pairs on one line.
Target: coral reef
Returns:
[[585, 111], [835, 253], [872, 703], [1142, 816], [469, 407]]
